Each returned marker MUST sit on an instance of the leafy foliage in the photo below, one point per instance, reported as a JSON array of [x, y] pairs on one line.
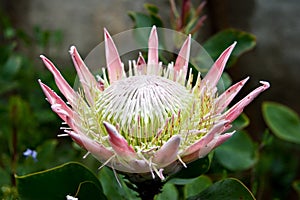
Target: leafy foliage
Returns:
[[283, 121]]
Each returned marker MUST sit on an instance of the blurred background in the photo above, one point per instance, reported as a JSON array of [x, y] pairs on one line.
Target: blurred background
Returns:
[[33, 27]]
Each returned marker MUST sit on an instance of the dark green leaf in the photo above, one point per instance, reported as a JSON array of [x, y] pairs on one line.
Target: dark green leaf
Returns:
[[194, 169], [55, 183], [296, 186], [169, 192], [227, 189], [111, 187], [283, 121], [238, 153], [12, 66], [196, 186], [140, 19], [219, 42], [89, 190]]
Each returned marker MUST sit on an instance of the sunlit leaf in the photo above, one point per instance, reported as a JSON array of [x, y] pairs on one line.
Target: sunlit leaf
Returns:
[[283, 121], [228, 189], [89, 190], [55, 183]]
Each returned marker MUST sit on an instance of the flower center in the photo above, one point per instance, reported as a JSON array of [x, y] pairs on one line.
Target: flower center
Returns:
[[141, 105]]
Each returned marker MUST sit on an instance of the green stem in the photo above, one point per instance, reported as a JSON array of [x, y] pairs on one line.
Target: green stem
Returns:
[[146, 186]]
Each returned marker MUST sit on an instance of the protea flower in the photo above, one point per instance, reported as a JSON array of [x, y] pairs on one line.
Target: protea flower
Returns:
[[151, 118]]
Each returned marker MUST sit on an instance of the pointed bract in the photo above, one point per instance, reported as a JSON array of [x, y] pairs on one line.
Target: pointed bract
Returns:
[[61, 109], [118, 143], [216, 129], [86, 79], [113, 61], [238, 108], [61, 83], [141, 65], [168, 152], [183, 57], [224, 100], [96, 149], [153, 48], [214, 74]]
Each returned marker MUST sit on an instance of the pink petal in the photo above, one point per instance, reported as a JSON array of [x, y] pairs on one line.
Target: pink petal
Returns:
[[168, 152], [58, 105], [223, 138], [238, 108], [153, 47], [96, 149], [214, 74], [61, 83], [224, 100], [118, 143], [203, 142], [86, 78], [141, 65], [182, 60], [113, 61]]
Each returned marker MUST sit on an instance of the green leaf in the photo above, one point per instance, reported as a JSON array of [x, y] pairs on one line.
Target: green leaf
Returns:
[[88, 190], [11, 67], [140, 19], [111, 187], [169, 192], [197, 185], [296, 186], [194, 169], [283, 121], [227, 189], [219, 42], [238, 153], [143, 20], [152, 9], [241, 122], [55, 183]]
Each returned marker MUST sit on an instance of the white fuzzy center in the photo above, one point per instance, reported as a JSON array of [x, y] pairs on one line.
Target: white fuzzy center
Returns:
[[143, 103]]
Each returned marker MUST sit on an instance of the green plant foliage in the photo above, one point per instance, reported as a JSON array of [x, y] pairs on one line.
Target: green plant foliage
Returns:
[[241, 122], [57, 183], [169, 192], [114, 186], [216, 44], [238, 153], [283, 121], [193, 169], [228, 189], [197, 185], [146, 20], [296, 186], [89, 189]]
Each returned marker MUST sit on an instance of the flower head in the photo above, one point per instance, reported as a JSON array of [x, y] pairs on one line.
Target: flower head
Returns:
[[152, 117]]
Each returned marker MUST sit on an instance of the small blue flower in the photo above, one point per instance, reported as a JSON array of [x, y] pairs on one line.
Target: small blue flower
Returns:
[[30, 153]]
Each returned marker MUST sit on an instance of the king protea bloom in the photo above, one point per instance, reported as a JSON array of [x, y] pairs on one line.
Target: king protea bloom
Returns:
[[152, 117]]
